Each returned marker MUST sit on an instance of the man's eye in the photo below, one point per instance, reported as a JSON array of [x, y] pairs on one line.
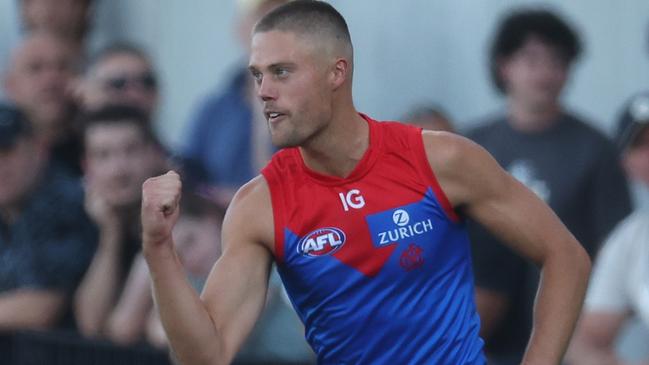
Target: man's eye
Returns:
[[256, 75], [281, 72]]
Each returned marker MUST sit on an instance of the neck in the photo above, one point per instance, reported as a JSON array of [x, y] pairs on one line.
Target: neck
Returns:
[[340, 147], [532, 118]]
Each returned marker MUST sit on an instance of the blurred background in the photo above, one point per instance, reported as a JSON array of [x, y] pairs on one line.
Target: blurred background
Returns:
[[406, 52]]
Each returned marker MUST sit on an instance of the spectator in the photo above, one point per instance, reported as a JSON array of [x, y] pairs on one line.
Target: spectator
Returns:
[[227, 141], [197, 238], [38, 81], [68, 19], [45, 240], [618, 287], [567, 163], [120, 153], [430, 117], [119, 74], [634, 157]]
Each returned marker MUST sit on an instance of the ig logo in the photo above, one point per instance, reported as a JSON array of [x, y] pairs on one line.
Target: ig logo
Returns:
[[353, 199], [400, 217]]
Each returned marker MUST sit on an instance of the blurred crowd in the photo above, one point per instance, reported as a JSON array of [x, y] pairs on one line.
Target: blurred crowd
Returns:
[[77, 140]]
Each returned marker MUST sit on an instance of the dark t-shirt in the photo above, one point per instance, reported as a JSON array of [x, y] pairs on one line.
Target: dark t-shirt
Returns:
[[576, 171], [50, 244]]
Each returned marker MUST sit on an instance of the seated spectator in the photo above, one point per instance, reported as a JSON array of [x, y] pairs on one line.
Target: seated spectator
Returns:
[[68, 19], [119, 74], [46, 241], [276, 337], [197, 238], [38, 81], [619, 285], [120, 154], [430, 117], [227, 141]]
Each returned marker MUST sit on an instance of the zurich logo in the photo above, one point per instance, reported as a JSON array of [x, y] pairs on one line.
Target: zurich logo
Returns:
[[400, 217], [321, 242]]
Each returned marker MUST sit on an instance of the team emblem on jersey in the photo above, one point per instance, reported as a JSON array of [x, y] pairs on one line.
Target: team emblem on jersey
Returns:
[[412, 258], [321, 242]]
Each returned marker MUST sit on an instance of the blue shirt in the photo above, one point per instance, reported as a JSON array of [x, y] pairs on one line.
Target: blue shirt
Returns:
[[218, 149]]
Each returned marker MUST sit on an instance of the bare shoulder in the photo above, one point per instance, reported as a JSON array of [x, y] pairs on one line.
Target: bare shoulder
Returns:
[[254, 192], [250, 215], [446, 150], [462, 167]]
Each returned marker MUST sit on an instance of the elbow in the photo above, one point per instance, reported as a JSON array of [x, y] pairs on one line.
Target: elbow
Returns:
[[87, 325], [572, 261], [582, 263], [121, 332]]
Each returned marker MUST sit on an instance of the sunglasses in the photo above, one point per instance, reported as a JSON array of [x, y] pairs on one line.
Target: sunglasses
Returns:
[[145, 80]]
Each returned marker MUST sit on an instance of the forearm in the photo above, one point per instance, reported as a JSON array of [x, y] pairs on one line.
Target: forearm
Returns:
[[564, 278], [96, 295], [30, 309], [127, 322], [190, 330], [591, 354]]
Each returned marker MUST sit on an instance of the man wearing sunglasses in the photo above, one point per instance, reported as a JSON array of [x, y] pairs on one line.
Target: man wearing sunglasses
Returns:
[[119, 74]]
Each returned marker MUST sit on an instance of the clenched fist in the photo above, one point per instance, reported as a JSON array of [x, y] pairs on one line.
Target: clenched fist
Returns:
[[160, 198]]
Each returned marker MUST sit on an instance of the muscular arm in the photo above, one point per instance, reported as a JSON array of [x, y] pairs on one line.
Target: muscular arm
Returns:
[[30, 309], [475, 183], [209, 329]]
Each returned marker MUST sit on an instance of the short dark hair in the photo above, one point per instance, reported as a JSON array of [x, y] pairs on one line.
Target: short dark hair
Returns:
[[517, 26], [306, 16], [116, 48], [118, 114]]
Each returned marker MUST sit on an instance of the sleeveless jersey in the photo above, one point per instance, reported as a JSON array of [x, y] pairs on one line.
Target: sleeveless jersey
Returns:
[[377, 264]]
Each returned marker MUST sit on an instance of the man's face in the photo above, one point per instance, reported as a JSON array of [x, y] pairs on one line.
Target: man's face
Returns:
[[20, 166], [292, 82], [636, 158], [39, 80], [121, 78], [535, 74], [118, 160], [63, 17]]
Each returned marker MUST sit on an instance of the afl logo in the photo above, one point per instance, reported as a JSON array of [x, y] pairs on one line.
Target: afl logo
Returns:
[[321, 242], [400, 217]]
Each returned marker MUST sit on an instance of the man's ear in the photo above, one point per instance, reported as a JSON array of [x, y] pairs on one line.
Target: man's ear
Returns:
[[340, 72], [502, 71]]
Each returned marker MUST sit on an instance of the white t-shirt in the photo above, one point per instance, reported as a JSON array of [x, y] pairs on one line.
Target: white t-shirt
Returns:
[[620, 279]]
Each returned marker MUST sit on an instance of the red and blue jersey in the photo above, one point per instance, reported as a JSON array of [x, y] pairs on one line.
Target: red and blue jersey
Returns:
[[377, 264]]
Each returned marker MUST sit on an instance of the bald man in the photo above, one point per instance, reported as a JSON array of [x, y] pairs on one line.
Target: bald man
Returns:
[[364, 220], [38, 80]]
